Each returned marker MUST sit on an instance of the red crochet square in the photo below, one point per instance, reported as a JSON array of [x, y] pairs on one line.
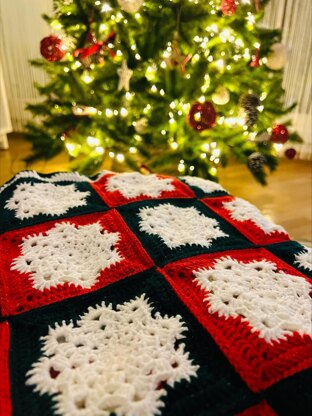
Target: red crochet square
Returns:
[[66, 258], [260, 361], [248, 227], [122, 191], [260, 409], [5, 388]]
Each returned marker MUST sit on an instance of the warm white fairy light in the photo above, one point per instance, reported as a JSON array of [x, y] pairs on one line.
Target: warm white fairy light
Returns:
[[206, 147], [250, 18], [123, 112], [278, 146], [93, 141], [87, 78], [246, 54], [263, 96], [220, 64], [163, 132], [202, 99], [103, 27], [213, 171], [128, 96], [181, 166], [70, 147], [100, 150], [163, 64], [162, 92], [66, 69], [203, 155], [109, 113], [118, 52], [111, 154], [172, 105], [120, 157], [154, 88], [260, 108], [225, 35], [174, 145], [192, 168], [216, 152], [76, 65], [106, 8], [213, 145], [137, 56], [238, 42], [116, 113], [133, 149]]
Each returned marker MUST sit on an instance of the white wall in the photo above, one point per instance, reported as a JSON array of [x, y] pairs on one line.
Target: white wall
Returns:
[[22, 28]]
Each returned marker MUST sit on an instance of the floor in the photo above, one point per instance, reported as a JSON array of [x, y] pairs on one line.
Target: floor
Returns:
[[287, 200]]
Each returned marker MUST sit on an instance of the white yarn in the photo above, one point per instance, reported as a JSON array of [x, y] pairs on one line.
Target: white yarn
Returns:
[[31, 199], [241, 210], [304, 258], [132, 185], [58, 177], [67, 253], [179, 226], [203, 184], [112, 361], [273, 302]]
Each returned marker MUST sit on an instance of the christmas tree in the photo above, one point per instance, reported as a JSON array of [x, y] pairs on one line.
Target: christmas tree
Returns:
[[173, 86]]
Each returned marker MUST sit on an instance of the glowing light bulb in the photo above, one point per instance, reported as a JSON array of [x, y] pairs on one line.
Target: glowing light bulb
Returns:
[[123, 112], [87, 78], [120, 157], [109, 113], [93, 141], [100, 150], [106, 8]]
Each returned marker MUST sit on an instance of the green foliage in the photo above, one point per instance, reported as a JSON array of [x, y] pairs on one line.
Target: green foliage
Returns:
[[149, 123]]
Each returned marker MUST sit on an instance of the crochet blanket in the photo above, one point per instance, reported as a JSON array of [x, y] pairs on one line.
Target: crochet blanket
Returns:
[[132, 295]]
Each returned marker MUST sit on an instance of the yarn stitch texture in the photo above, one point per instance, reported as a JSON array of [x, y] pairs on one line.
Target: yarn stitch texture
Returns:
[[132, 295]]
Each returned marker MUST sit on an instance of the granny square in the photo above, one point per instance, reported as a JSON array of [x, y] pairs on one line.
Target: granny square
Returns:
[[174, 229], [295, 254], [122, 188], [31, 198], [51, 261], [132, 348], [256, 307], [247, 219], [203, 188]]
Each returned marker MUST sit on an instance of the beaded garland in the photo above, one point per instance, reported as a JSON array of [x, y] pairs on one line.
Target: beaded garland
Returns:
[[132, 295]]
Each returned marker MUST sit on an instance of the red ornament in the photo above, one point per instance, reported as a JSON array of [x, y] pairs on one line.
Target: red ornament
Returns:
[[228, 7], [290, 153], [255, 60], [96, 47], [202, 116], [52, 48], [279, 134]]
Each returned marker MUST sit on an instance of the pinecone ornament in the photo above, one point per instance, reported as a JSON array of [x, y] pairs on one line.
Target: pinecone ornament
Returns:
[[249, 104], [256, 161]]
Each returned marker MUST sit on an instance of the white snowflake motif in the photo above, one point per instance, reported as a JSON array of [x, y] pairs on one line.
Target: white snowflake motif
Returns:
[[304, 258], [179, 226], [67, 253], [112, 361], [274, 303], [205, 185], [132, 185], [31, 199], [241, 210]]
